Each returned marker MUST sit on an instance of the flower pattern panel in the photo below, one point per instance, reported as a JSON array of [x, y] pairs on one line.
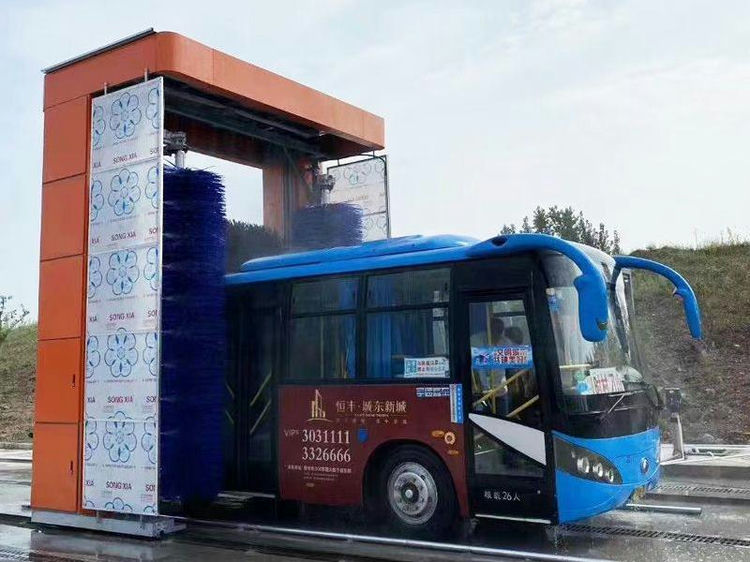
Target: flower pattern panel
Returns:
[[152, 187], [119, 437], [98, 125], [95, 276], [124, 192], [93, 357], [152, 111], [151, 353], [125, 115], [92, 439], [148, 440], [118, 504], [96, 199], [123, 271], [121, 355], [151, 269]]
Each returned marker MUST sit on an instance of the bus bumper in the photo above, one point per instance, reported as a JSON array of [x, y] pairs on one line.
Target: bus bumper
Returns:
[[578, 498]]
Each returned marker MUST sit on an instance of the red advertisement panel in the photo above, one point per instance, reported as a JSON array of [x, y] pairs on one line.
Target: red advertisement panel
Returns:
[[327, 434]]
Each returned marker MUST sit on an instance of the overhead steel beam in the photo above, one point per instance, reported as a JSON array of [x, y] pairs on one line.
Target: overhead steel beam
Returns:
[[100, 50]]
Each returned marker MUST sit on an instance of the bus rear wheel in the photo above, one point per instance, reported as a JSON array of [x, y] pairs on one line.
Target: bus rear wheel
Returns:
[[416, 493]]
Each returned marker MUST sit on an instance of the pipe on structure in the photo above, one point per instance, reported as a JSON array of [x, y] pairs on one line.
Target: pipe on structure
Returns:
[[659, 508]]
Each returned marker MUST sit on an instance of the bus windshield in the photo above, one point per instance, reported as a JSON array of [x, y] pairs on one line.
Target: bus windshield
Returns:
[[588, 368]]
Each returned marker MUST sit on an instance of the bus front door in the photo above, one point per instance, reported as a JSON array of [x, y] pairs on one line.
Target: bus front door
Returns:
[[507, 444]]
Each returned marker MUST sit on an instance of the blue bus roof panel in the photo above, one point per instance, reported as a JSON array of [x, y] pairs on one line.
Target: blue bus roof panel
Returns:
[[393, 246], [352, 265]]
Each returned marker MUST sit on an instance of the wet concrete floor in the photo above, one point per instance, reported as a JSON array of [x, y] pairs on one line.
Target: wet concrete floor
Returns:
[[19, 540]]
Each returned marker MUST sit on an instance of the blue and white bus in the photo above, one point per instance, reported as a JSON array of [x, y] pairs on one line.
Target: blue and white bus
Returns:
[[433, 378]]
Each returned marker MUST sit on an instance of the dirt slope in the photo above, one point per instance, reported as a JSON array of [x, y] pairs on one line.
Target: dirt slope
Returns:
[[715, 379]]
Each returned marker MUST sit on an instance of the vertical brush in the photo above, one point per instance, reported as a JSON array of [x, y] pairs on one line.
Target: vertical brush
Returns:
[[326, 225], [193, 336]]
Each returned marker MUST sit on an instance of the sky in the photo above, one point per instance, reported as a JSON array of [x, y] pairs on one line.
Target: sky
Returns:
[[634, 112]]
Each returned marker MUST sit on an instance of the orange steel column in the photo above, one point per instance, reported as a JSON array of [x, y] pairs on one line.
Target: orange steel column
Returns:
[[282, 181], [62, 268], [273, 197]]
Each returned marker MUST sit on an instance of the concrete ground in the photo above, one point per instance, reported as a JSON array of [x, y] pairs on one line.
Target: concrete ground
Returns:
[[682, 537]]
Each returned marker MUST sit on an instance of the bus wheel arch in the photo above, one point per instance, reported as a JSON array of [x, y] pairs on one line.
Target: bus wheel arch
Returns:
[[398, 459]]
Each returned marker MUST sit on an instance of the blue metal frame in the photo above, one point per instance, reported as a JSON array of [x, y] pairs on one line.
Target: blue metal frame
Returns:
[[421, 250], [682, 287]]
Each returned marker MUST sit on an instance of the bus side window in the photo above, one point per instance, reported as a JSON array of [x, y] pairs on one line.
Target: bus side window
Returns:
[[323, 332], [407, 324]]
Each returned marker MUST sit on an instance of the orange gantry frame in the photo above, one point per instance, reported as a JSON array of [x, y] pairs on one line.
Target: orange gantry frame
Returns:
[[314, 126]]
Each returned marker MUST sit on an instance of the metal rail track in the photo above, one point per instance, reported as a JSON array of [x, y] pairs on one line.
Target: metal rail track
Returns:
[[351, 539], [717, 493], [654, 534]]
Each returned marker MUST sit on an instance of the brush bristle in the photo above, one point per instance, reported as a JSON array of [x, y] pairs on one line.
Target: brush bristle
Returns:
[[327, 226], [193, 336]]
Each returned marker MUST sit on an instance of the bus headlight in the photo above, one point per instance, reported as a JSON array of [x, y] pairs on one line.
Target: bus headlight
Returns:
[[584, 463]]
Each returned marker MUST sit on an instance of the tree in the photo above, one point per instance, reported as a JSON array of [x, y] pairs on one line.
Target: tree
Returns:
[[566, 223], [246, 241], [10, 319]]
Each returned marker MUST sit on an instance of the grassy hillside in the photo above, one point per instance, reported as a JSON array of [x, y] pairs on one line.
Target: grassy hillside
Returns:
[[17, 374], [714, 378]]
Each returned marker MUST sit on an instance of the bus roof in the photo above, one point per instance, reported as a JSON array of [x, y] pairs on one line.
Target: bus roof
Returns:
[[425, 250], [380, 254]]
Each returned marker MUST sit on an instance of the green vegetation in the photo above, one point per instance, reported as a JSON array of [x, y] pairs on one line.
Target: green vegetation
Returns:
[[17, 377], [568, 224], [715, 376], [9, 318]]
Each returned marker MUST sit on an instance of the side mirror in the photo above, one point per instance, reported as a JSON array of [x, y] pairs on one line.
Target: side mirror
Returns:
[[683, 290]]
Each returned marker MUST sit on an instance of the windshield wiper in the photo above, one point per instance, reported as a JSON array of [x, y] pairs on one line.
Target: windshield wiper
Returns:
[[620, 397], [648, 389]]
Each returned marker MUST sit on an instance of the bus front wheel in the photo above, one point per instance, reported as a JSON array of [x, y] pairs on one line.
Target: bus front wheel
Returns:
[[416, 492]]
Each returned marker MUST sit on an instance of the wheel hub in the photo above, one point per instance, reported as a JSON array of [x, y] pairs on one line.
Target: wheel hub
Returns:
[[412, 493]]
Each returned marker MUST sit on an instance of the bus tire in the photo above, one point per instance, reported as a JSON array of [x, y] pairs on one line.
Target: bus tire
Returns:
[[415, 493]]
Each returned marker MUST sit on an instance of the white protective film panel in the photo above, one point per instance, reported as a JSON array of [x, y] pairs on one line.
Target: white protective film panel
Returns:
[[120, 437], [365, 183]]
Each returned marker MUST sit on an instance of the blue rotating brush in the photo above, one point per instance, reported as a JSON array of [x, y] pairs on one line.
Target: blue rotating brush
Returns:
[[326, 225], [193, 337]]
